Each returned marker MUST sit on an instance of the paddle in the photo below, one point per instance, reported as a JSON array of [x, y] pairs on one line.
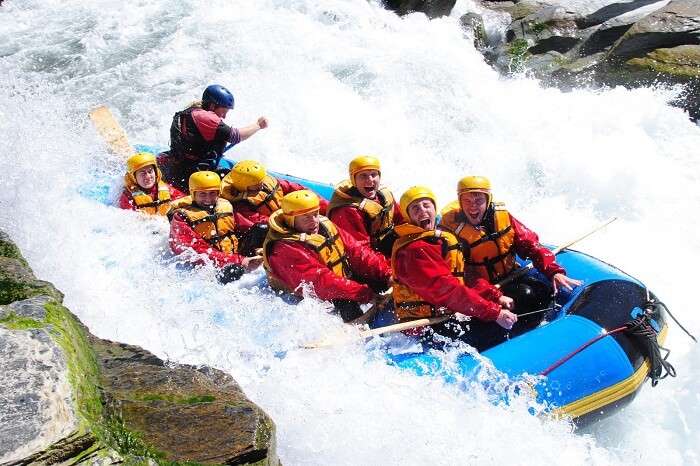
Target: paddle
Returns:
[[375, 331], [111, 131], [523, 270]]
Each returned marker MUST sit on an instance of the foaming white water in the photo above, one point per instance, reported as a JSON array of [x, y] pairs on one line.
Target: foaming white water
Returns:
[[338, 78]]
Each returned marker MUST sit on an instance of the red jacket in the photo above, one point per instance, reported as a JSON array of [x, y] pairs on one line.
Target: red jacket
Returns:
[[294, 262], [421, 267], [184, 238], [246, 216], [351, 220], [126, 201], [527, 245]]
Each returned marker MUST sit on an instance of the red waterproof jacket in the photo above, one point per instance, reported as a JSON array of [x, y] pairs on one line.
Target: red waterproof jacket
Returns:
[[350, 219], [246, 216], [421, 267], [527, 244], [126, 201], [184, 238], [294, 262]]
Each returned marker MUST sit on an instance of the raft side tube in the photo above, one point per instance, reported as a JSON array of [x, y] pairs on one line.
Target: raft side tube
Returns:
[[600, 365]]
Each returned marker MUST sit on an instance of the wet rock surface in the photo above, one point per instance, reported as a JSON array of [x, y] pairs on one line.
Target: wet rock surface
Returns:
[[432, 8], [67, 396], [190, 413], [635, 43], [35, 395]]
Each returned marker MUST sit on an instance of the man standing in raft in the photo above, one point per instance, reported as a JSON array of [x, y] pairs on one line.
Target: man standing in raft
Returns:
[[363, 208], [304, 247], [255, 195], [199, 136], [203, 223], [144, 188], [428, 270], [491, 237]]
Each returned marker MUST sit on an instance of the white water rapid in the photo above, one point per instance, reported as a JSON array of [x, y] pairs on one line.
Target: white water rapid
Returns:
[[337, 78]]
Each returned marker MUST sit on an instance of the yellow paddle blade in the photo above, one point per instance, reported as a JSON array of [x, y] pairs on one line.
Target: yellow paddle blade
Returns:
[[110, 130]]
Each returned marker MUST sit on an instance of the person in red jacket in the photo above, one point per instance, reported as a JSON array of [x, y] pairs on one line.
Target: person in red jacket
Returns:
[[199, 136], [428, 280], [255, 195], [144, 188], [303, 247], [491, 237], [203, 223], [363, 208]]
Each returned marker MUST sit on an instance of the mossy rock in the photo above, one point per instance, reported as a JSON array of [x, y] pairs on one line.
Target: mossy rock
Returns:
[[190, 414], [10, 249], [17, 282], [680, 62], [132, 407]]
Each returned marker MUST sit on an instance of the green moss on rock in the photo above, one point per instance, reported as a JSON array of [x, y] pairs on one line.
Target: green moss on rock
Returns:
[[83, 370], [682, 61], [10, 249], [14, 322], [517, 50], [17, 282]]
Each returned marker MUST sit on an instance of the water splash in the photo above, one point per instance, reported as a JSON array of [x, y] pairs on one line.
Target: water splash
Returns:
[[339, 78]]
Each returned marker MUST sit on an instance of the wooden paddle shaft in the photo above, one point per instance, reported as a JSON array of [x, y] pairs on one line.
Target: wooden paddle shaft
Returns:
[[111, 131], [376, 331]]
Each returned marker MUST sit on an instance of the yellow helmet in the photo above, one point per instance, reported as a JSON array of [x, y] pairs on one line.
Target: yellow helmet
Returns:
[[246, 173], [413, 194], [140, 160], [477, 184], [204, 181], [363, 162], [299, 203]]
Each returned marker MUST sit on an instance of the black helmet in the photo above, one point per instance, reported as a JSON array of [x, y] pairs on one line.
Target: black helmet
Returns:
[[217, 95]]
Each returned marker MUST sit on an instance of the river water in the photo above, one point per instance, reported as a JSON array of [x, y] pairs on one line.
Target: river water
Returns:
[[337, 78]]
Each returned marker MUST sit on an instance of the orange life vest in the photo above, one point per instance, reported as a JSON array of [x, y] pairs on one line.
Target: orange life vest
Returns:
[[265, 201], [217, 227], [487, 255], [379, 216], [407, 304], [143, 200], [326, 243]]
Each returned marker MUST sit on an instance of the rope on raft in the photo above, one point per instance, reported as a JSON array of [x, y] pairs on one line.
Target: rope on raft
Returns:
[[641, 331]]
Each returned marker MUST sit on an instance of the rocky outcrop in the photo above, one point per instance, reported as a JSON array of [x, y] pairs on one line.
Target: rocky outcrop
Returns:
[[674, 25], [432, 8], [67, 396], [635, 43]]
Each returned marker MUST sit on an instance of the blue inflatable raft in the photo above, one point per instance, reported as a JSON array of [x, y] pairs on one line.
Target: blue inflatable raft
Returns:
[[587, 357]]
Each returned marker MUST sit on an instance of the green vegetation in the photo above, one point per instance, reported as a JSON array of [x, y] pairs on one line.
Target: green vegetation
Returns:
[[518, 54], [17, 282], [538, 27], [677, 69], [15, 322], [83, 370], [9, 249]]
